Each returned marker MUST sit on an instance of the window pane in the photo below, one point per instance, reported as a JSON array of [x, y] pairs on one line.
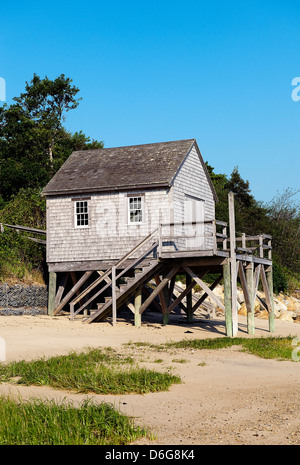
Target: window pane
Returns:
[[82, 217], [135, 210]]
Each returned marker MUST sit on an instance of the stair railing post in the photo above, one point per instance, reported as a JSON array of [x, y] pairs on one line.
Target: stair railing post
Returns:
[[114, 300], [214, 228], [159, 240]]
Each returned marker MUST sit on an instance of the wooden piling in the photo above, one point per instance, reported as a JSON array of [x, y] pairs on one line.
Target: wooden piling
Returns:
[[137, 306], [165, 318], [52, 292], [233, 264], [269, 275], [189, 301], [251, 291]]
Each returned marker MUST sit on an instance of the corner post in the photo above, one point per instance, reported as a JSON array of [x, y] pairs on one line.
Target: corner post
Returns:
[[233, 263], [51, 292]]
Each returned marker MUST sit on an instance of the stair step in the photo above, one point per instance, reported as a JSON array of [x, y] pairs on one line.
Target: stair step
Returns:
[[122, 287]]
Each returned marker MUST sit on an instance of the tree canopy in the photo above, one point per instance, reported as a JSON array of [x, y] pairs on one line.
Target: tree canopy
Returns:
[[33, 140]]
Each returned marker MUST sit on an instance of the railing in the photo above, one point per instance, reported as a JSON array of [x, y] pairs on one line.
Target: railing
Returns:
[[27, 229], [210, 235], [255, 245], [192, 235]]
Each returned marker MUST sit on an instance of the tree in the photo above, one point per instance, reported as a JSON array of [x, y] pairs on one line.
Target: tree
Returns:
[[45, 103], [240, 188], [250, 215], [220, 182], [284, 213], [33, 141]]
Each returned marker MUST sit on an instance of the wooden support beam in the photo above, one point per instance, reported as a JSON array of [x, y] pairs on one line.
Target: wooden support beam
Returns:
[[74, 280], [72, 292], [61, 288], [244, 286], [204, 287], [233, 264], [158, 289], [252, 293], [181, 296], [171, 289], [269, 298], [146, 293], [269, 275], [137, 306], [180, 304], [266, 288], [256, 279], [227, 298], [163, 297], [51, 292], [205, 295], [161, 294], [189, 301]]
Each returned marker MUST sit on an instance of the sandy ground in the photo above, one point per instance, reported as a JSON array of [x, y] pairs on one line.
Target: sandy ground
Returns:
[[226, 397]]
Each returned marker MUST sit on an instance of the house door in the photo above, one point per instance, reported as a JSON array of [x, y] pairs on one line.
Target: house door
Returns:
[[194, 223]]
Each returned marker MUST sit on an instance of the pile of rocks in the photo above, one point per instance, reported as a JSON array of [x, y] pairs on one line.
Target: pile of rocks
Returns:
[[286, 307], [20, 299]]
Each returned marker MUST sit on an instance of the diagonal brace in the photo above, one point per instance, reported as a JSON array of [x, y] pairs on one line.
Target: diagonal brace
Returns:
[[204, 287]]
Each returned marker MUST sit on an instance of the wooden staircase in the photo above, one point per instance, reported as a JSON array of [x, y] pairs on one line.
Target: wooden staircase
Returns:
[[120, 282], [124, 291]]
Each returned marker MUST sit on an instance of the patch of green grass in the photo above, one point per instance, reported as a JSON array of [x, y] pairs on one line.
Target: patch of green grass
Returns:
[[271, 347], [279, 348], [48, 423], [90, 371], [179, 360]]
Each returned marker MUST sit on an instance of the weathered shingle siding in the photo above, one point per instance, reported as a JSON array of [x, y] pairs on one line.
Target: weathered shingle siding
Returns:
[[192, 180], [109, 236]]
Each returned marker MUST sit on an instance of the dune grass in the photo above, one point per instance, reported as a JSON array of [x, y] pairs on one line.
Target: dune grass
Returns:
[[48, 423], [94, 370]]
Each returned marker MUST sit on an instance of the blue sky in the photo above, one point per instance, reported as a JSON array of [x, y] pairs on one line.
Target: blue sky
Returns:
[[153, 71]]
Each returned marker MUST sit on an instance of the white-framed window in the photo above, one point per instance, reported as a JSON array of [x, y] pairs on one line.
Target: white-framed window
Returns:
[[135, 209], [81, 214]]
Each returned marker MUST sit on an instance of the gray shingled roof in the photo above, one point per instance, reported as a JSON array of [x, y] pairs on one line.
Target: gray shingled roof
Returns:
[[120, 168]]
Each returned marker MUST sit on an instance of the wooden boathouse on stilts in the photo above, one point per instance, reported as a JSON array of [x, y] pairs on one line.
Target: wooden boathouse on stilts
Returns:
[[121, 218]]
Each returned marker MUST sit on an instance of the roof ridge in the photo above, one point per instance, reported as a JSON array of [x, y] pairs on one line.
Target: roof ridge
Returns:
[[136, 145]]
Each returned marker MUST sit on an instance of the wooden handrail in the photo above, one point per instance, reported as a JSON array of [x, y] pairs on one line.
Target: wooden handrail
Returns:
[[24, 228]]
